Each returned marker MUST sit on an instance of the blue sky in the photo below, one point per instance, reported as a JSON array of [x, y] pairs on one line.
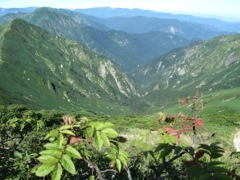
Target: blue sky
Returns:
[[222, 8]]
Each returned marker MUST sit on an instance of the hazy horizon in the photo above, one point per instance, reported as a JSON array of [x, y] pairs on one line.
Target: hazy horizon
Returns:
[[228, 9]]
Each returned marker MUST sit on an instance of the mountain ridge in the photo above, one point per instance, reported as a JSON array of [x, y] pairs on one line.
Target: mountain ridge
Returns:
[[126, 50], [205, 66], [108, 12], [37, 67]]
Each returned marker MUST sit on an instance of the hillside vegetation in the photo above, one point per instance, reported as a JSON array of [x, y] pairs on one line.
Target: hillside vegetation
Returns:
[[64, 146], [83, 98], [209, 67], [44, 71]]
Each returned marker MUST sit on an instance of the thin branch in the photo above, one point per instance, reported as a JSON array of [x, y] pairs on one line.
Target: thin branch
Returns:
[[91, 165], [109, 170], [129, 173]]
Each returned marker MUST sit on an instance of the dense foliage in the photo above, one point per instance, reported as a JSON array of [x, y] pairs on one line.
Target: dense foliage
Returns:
[[48, 144]]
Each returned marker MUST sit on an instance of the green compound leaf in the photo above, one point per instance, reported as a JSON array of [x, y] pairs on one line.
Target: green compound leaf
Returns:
[[105, 139], [65, 127], [72, 152], [47, 159], [52, 134], [68, 132], [57, 173], [44, 170], [52, 152], [119, 165], [111, 133], [123, 160], [98, 139], [67, 164]]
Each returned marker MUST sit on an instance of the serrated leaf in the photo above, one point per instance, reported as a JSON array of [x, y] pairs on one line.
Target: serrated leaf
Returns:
[[53, 152], [57, 173], [52, 134], [68, 132], [111, 133], [53, 145], [123, 153], [119, 165], [98, 140], [72, 152], [111, 156], [65, 127], [67, 164], [60, 140], [44, 170], [114, 151], [105, 139], [47, 159], [123, 160]]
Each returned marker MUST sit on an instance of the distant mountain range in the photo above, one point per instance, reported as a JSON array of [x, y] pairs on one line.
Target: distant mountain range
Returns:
[[141, 24], [63, 59], [4, 11], [126, 50], [129, 42], [107, 12]]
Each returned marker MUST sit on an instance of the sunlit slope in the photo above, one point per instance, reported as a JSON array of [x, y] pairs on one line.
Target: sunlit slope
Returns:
[[208, 66], [46, 71]]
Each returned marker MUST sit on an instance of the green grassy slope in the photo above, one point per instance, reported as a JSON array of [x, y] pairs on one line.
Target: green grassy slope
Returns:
[[44, 71], [211, 66]]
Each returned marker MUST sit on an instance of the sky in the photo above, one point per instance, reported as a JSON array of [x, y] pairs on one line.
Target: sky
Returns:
[[214, 8]]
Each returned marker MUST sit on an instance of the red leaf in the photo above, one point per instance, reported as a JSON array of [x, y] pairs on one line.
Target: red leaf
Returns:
[[187, 129], [74, 140], [199, 123], [172, 131], [199, 154]]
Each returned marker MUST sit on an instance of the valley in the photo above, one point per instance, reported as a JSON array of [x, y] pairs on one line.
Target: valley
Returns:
[[139, 64]]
